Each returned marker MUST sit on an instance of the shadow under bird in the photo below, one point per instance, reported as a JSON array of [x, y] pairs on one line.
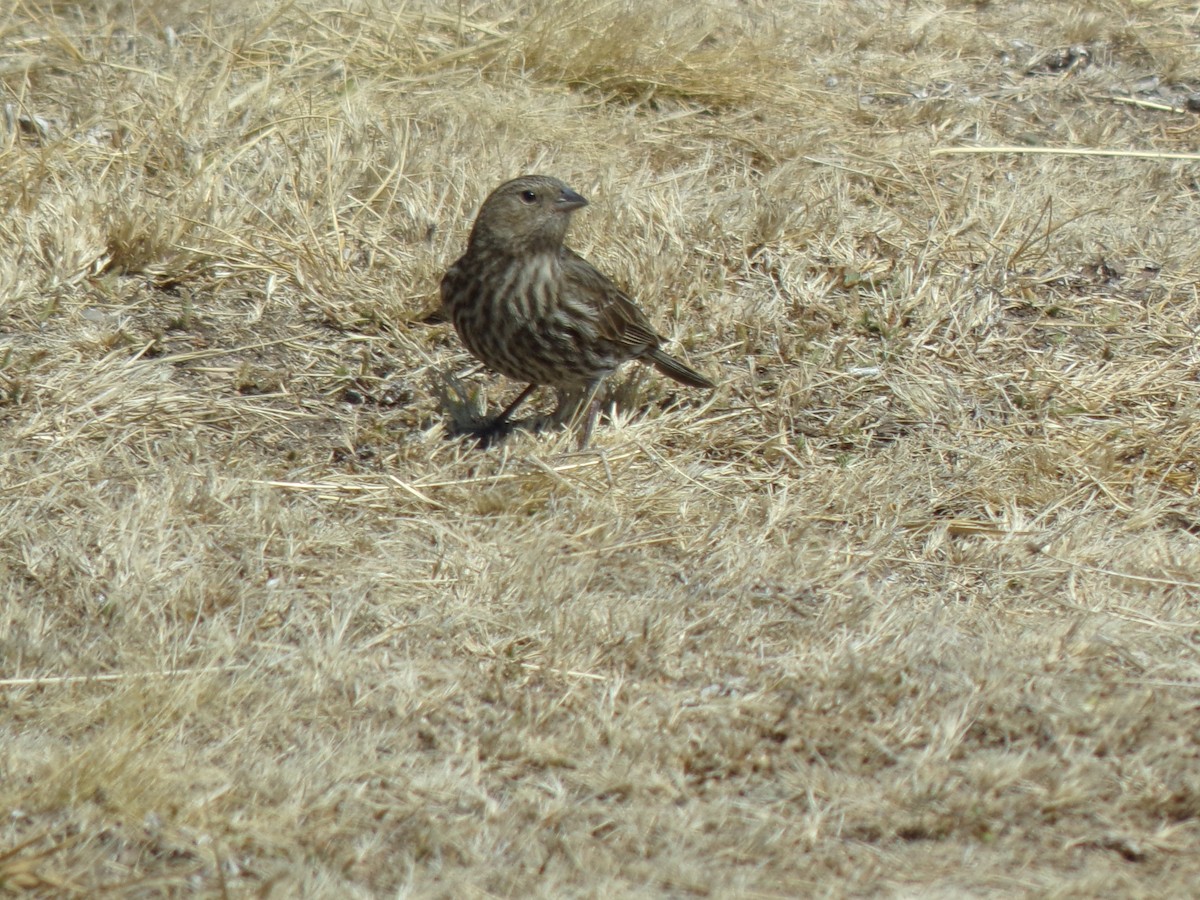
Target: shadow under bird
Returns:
[[534, 310]]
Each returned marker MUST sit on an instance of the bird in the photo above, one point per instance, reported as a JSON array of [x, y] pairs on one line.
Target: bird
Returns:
[[534, 310]]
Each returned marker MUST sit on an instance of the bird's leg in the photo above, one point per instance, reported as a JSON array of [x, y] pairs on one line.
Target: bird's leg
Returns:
[[593, 412], [503, 418], [499, 426], [580, 408]]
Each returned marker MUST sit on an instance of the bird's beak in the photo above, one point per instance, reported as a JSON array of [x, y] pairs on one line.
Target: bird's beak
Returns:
[[569, 201]]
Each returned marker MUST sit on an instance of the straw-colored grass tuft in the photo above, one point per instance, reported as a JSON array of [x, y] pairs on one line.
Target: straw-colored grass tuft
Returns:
[[905, 607]]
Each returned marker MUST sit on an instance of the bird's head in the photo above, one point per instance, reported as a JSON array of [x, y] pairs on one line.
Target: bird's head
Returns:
[[529, 214]]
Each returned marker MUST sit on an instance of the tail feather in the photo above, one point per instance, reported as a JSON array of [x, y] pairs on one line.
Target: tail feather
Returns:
[[681, 372]]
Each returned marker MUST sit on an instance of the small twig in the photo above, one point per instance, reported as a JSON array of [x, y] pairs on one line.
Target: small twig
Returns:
[[1065, 151], [1144, 104], [403, 485], [189, 356], [574, 673], [112, 676], [1113, 573]]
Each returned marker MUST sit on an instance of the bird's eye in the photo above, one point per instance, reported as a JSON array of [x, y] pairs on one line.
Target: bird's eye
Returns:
[[528, 197]]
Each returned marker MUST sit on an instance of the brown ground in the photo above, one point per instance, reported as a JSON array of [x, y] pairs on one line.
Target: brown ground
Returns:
[[908, 607]]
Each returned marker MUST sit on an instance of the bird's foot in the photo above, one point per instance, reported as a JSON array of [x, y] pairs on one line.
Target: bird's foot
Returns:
[[494, 432]]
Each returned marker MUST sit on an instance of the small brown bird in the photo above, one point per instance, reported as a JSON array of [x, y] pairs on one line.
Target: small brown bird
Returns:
[[536, 311]]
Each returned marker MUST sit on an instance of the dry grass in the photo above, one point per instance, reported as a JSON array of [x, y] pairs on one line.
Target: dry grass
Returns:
[[908, 607]]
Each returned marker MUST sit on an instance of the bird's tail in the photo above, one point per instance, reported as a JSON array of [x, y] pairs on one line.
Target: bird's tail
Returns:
[[681, 372]]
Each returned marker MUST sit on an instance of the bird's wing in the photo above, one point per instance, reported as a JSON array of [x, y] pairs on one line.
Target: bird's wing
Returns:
[[618, 319]]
